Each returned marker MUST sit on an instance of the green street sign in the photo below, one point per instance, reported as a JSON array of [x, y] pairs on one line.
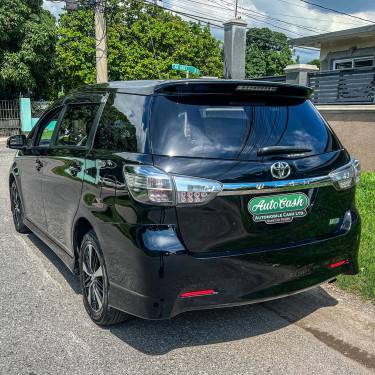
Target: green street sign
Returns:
[[186, 68]]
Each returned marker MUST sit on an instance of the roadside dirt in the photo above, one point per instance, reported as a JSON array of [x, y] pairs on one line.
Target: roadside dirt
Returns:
[[343, 321]]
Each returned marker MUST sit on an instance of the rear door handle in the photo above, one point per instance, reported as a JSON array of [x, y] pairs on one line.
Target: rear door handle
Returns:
[[38, 165], [75, 167]]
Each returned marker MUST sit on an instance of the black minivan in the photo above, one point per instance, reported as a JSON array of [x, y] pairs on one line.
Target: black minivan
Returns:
[[175, 195]]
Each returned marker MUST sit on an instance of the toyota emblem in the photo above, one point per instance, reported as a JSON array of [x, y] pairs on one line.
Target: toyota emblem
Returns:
[[280, 170]]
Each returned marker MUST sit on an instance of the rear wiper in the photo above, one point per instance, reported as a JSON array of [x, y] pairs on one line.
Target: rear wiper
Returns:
[[277, 150]]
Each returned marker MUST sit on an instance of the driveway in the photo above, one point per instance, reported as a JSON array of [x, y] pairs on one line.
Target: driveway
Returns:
[[45, 330]]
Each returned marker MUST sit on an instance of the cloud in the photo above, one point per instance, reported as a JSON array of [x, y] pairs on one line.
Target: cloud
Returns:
[[291, 17], [54, 8], [299, 19]]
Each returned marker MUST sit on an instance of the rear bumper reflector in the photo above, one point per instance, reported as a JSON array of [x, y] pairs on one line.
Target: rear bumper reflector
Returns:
[[198, 293], [337, 264]]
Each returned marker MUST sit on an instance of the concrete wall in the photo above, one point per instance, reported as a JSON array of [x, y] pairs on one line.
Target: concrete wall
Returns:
[[344, 49], [356, 131], [27, 121]]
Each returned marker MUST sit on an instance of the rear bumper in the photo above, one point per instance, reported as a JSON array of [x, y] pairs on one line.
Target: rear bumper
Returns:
[[147, 281]]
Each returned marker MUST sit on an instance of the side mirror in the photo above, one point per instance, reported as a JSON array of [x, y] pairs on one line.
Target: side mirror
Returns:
[[17, 142]]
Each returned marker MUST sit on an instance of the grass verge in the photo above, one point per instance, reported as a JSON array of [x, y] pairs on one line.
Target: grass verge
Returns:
[[363, 284]]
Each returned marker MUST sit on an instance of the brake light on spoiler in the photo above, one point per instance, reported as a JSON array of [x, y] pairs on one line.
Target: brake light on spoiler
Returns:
[[256, 88]]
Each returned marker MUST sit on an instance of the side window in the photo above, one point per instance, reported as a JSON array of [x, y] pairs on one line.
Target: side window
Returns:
[[123, 124], [76, 124], [46, 130]]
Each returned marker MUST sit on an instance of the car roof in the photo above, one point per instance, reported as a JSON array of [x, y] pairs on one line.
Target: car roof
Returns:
[[200, 85]]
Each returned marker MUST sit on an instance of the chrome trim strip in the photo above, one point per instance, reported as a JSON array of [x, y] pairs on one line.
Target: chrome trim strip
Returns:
[[252, 188]]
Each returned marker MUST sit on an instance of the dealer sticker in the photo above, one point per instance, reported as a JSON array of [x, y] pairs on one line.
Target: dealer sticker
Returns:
[[278, 208]]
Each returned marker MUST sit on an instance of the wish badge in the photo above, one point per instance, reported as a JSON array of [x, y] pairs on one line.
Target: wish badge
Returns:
[[278, 208]]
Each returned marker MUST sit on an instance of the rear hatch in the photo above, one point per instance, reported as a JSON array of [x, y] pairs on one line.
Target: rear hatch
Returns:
[[271, 151]]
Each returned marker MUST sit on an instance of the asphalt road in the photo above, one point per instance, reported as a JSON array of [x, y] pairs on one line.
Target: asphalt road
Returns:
[[44, 328]]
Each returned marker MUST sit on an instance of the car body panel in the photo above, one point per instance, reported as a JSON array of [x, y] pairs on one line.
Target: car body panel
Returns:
[[30, 163], [149, 282], [62, 190]]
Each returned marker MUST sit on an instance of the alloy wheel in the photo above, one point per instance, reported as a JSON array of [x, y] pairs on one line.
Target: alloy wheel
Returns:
[[16, 206], [93, 278]]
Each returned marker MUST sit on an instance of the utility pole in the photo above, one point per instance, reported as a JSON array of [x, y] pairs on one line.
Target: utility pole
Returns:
[[235, 9], [100, 33], [101, 42]]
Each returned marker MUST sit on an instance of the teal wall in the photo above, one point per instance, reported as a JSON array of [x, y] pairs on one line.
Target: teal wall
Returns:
[[26, 120]]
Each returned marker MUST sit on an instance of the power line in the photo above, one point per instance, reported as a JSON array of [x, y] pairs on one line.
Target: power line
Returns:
[[336, 11], [217, 20], [265, 16], [314, 19], [208, 20], [257, 14], [153, 48], [312, 10], [254, 36], [202, 18], [218, 26]]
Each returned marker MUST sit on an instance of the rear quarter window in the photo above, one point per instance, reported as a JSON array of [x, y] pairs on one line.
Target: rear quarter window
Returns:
[[123, 126]]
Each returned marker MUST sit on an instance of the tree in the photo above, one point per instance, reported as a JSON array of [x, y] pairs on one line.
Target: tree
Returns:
[[314, 62], [267, 52], [27, 48], [130, 46]]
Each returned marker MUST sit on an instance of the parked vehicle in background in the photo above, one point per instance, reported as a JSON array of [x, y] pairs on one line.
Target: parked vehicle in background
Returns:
[[178, 195]]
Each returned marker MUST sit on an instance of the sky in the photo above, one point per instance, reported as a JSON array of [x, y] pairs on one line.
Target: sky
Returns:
[[295, 18]]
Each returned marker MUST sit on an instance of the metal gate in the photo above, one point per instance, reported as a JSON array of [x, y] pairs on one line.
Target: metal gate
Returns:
[[38, 108], [346, 86], [10, 121]]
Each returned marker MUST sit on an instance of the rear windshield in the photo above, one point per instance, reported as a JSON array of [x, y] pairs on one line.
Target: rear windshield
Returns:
[[227, 127]]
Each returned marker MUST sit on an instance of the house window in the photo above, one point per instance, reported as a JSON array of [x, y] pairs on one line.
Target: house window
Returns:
[[360, 62], [343, 64]]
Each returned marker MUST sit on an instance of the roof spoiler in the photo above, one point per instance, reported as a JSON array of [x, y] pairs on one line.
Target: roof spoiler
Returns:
[[247, 88]]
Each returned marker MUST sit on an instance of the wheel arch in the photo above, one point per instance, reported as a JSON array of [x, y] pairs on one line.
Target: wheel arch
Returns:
[[81, 227], [11, 180]]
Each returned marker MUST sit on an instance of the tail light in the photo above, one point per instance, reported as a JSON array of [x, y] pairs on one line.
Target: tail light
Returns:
[[347, 176], [150, 185], [191, 190]]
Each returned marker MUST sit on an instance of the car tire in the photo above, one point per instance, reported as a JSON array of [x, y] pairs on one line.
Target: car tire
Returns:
[[94, 283], [17, 209]]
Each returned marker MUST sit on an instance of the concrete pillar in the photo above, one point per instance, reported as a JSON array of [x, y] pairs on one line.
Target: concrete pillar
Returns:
[[297, 74], [234, 49]]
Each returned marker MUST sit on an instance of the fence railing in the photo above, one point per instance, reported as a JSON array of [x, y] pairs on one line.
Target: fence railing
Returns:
[[38, 108], [10, 121], [281, 78], [349, 86]]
